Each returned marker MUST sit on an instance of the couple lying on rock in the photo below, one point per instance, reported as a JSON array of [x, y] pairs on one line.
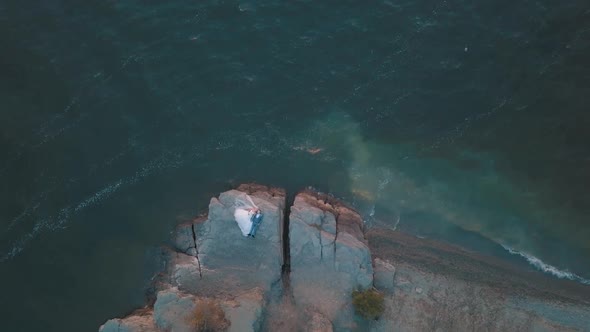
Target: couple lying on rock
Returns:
[[248, 216]]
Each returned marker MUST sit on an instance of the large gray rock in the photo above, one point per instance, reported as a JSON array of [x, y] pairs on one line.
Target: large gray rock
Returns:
[[245, 311], [384, 274], [329, 256], [172, 310], [215, 259]]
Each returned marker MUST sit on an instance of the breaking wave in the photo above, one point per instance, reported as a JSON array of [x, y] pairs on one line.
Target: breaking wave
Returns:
[[61, 219], [57, 222], [547, 268]]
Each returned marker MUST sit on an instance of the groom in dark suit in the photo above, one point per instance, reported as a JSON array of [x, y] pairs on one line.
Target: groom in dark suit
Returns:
[[256, 220]]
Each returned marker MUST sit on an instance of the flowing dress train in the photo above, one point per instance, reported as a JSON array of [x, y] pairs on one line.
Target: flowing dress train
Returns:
[[244, 219]]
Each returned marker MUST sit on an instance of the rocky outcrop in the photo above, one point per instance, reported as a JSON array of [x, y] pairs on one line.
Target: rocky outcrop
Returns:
[[329, 256], [211, 259], [429, 285], [243, 284]]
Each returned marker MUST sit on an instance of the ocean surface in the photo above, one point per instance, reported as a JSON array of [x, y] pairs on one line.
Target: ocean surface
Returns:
[[457, 120]]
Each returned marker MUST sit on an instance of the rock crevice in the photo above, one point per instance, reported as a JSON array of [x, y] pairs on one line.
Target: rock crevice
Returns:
[[196, 246], [286, 268], [336, 215]]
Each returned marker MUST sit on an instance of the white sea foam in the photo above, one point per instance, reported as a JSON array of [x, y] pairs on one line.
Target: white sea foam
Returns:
[[20, 244], [47, 136], [385, 178], [399, 217], [45, 128], [547, 268], [26, 212], [98, 196], [57, 222]]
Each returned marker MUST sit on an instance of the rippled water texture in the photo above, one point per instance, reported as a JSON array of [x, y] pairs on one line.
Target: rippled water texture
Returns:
[[119, 119]]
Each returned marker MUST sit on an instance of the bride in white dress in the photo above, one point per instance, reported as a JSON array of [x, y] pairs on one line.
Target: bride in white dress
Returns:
[[243, 213]]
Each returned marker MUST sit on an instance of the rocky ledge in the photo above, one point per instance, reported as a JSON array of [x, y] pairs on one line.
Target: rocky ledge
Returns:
[[299, 272], [330, 257]]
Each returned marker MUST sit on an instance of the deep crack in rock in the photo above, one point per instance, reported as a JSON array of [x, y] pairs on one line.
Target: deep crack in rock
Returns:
[[322, 219], [196, 250], [336, 217], [286, 268]]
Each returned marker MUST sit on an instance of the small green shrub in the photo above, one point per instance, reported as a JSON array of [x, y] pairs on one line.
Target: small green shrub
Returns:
[[369, 303], [209, 317]]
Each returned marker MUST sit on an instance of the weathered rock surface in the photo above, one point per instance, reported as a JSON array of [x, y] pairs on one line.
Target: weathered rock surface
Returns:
[[431, 286], [329, 256], [384, 275], [319, 323], [172, 310], [245, 311]]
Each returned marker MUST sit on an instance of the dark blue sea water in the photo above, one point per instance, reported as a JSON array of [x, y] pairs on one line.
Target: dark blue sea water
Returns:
[[119, 119]]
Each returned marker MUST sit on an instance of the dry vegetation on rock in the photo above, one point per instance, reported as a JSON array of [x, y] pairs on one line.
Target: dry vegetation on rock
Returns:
[[368, 304], [209, 317]]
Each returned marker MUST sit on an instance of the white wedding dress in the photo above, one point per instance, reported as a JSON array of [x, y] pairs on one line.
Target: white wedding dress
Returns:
[[243, 214]]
